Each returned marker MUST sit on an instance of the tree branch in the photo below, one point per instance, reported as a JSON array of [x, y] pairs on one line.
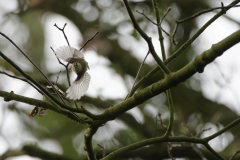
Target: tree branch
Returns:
[[236, 122], [186, 44], [168, 92], [12, 96], [147, 39], [146, 142], [51, 97], [88, 134], [50, 83], [62, 30], [22, 79], [183, 47], [173, 79], [37, 152], [88, 41]]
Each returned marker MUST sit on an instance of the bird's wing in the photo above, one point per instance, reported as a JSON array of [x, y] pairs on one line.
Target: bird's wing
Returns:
[[79, 87], [67, 52]]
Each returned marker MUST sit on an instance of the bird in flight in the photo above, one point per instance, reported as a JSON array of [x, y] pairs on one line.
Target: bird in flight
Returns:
[[80, 67]]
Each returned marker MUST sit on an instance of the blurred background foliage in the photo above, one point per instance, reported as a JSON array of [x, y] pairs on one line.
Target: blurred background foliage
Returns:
[[124, 49]]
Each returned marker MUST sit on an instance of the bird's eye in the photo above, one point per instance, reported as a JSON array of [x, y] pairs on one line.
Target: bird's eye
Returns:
[[77, 65]]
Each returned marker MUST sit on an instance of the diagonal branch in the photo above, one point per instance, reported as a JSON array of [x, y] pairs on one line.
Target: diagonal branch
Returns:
[[234, 123], [130, 93], [31, 101], [22, 79], [182, 48], [186, 44], [51, 97], [173, 79], [88, 41], [147, 39], [32, 64], [63, 31]]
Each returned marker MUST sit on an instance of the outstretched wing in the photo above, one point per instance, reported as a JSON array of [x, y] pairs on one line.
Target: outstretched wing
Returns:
[[67, 52], [79, 87]]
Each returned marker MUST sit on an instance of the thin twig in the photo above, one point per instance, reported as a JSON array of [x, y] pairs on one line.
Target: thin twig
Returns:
[[88, 41], [138, 74], [142, 13], [160, 36], [66, 66], [194, 146], [237, 152], [32, 63], [171, 37], [57, 77], [148, 39], [206, 11], [58, 89], [168, 92], [223, 8], [174, 33], [159, 120], [60, 92], [199, 152], [22, 79], [169, 151], [204, 130], [186, 44], [49, 95], [165, 14], [62, 29]]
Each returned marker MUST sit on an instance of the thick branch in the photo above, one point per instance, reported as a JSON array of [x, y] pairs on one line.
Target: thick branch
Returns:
[[11, 153], [88, 142], [182, 48], [173, 79]]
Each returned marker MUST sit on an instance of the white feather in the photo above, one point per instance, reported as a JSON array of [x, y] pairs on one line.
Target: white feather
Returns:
[[66, 52], [79, 88]]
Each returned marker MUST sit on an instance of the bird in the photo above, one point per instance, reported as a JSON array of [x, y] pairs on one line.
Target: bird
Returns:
[[80, 66]]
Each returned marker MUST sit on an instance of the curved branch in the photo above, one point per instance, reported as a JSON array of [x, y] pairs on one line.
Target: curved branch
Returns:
[[146, 142]]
